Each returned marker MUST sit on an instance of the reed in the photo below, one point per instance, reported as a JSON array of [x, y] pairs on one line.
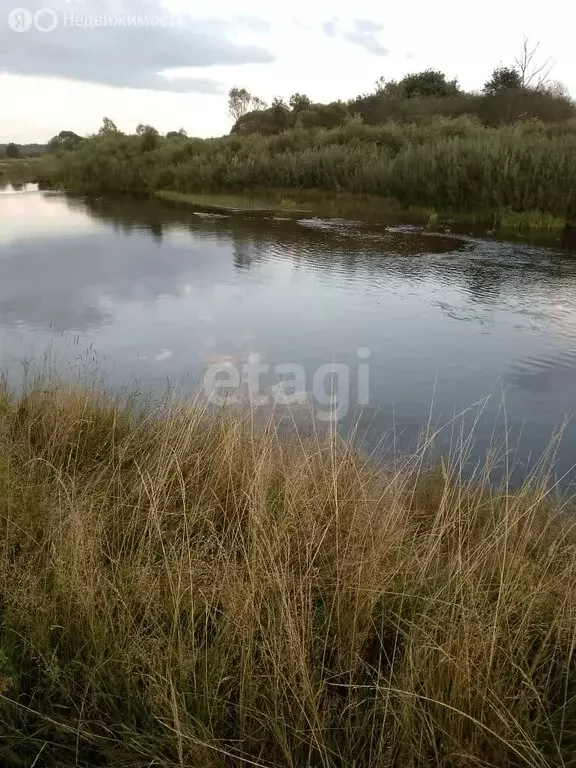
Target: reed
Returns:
[[451, 164]]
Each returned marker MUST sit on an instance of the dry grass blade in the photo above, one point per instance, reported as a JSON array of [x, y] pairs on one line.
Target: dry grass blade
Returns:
[[184, 587]]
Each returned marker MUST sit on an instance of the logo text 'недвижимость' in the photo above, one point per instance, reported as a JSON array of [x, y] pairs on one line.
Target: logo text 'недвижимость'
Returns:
[[47, 20]]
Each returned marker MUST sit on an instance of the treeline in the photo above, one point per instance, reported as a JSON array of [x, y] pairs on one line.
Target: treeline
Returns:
[[13, 151], [421, 140], [457, 164], [510, 95]]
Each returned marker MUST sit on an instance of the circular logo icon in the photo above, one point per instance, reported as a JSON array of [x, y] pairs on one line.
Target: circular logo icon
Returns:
[[20, 20], [45, 20]]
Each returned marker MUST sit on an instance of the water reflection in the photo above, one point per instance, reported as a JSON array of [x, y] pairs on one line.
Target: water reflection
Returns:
[[160, 293]]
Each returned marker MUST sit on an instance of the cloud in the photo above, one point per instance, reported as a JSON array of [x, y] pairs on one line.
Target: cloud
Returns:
[[330, 28], [254, 24], [368, 27], [363, 34], [128, 55]]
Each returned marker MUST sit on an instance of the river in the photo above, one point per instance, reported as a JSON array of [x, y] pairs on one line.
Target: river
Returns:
[[470, 335]]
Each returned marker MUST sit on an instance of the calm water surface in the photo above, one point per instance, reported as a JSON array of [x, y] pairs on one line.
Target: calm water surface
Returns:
[[138, 290]]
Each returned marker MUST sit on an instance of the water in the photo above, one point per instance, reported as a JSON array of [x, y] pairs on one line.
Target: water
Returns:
[[144, 291]]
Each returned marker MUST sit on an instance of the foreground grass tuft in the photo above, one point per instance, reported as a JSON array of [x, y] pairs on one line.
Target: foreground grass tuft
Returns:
[[180, 589]]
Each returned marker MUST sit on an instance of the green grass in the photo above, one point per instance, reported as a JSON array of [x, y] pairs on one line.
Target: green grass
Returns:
[[545, 225], [219, 203], [18, 171], [179, 587], [531, 220]]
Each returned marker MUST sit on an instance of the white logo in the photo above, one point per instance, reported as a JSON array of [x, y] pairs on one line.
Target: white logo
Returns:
[[21, 20], [45, 20]]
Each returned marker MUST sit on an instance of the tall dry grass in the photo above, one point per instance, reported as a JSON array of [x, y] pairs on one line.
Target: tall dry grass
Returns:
[[179, 588]]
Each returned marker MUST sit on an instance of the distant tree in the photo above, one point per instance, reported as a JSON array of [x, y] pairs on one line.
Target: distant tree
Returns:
[[108, 127], [557, 89], [279, 103], [533, 74], [241, 101], [280, 115], [144, 130], [527, 72], [12, 150], [427, 83], [149, 136], [299, 102], [65, 140], [503, 79], [176, 134], [267, 122], [392, 88], [325, 115]]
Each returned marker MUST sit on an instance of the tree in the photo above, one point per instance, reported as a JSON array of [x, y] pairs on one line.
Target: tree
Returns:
[[241, 101], [108, 127], [325, 115], [145, 130], [503, 79], [149, 136], [532, 74], [12, 150], [176, 134], [557, 89], [279, 103], [280, 116], [65, 140], [428, 83], [299, 102], [526, 73], [380, 84]]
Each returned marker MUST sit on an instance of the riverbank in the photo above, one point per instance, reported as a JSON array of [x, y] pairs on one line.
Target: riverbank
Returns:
[[447, 164], [533, 226], [19, 171], [244, 205], [179, 588]]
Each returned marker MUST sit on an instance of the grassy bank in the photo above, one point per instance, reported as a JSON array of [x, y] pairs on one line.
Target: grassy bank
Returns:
[[179, 589], [237, 204], [18, 171], [448, 164]]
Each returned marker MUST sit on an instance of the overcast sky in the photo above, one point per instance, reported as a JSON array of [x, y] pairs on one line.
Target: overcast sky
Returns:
[[178, 75]]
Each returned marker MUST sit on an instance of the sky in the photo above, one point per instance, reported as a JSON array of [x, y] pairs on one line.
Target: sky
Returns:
[[171, 63]]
